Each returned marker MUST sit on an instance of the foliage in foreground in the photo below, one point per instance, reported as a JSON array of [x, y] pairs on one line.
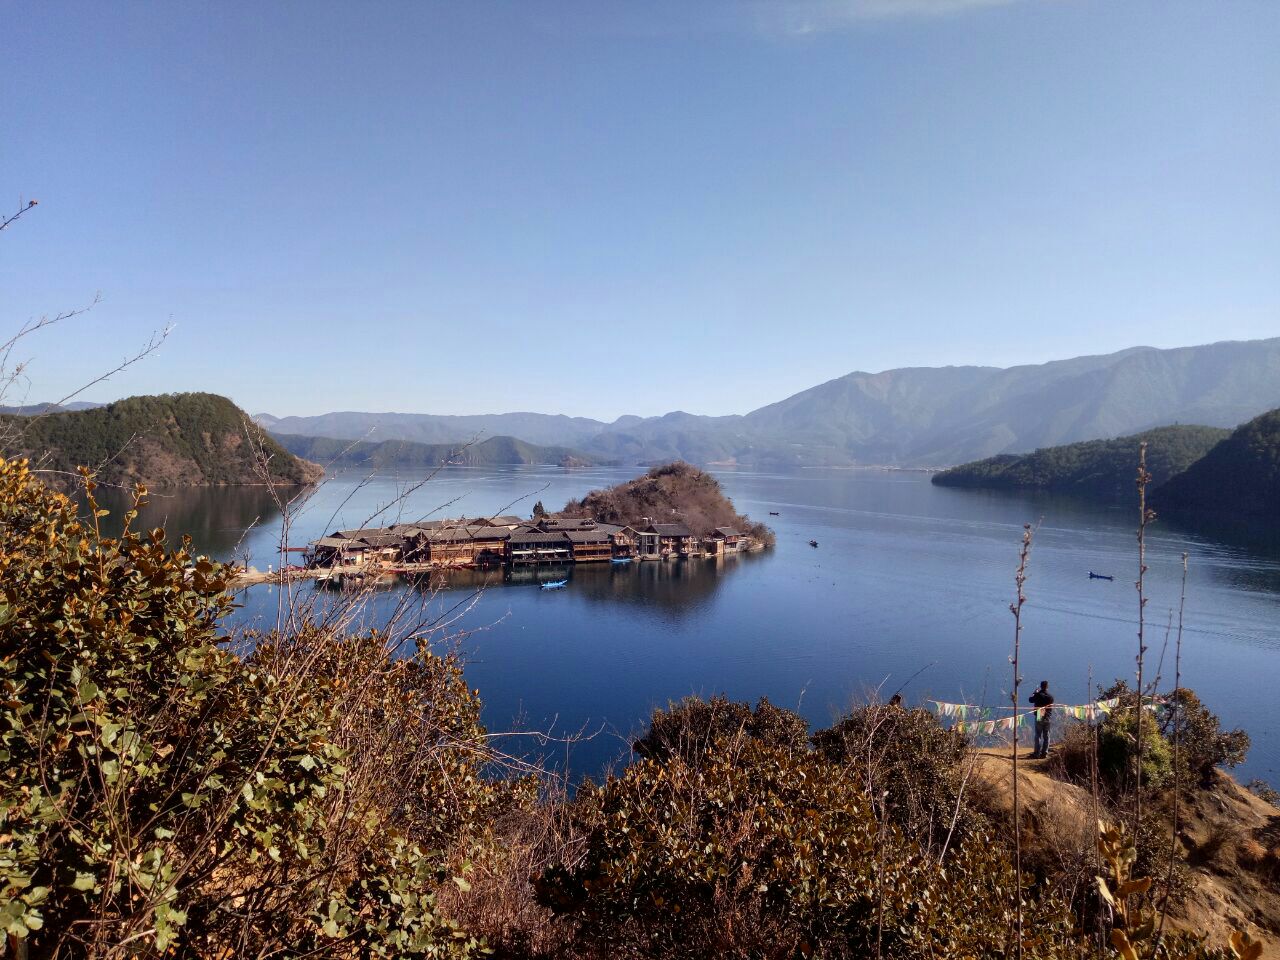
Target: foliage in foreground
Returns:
[[323, 796], [749, 849], [159, 792]]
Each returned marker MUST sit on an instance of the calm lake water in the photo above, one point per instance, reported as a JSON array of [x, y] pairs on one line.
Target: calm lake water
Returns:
[[910, 582]]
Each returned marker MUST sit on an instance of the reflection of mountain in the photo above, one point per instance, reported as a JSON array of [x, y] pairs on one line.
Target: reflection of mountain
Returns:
[[216, 518]]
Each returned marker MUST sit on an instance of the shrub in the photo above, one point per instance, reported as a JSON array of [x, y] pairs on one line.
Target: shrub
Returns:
[[1202, 743], [1118, 750], [159, 791], [909, 762], [753, 850], [694, 725]]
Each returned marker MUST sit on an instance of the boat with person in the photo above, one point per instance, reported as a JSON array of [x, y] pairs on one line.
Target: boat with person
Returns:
[[1100, 576], [555, 585]]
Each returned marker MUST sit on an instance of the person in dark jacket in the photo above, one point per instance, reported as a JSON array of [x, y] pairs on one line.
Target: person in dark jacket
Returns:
[[1042, 700]]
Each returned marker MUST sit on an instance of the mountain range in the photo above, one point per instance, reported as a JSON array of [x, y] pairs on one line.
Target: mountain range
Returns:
[[914, 416], [408, 453]]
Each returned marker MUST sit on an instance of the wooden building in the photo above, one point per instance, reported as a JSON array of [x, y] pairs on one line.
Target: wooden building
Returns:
[[674, 539], [458, 546], [538, 547], [732, 540], [565, 524], [589, 546], [624, 539]]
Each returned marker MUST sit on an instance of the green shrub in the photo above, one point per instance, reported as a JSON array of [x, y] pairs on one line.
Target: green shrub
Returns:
[[159, 791], [1202, 743], [1118, 750]]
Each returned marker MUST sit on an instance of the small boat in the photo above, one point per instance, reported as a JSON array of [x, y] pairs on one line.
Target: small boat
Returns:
[[813, 543], [620, 560], [773, 513], [555, 585], [1100, 576]]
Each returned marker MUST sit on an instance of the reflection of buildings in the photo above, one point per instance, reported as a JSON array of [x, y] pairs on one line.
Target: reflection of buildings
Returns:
[[672, 587]]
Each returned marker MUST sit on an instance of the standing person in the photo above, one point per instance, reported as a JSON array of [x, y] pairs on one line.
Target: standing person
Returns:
[[1042, 700]]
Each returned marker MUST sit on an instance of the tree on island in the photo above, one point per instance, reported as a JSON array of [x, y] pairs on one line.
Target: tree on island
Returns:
[[668, 493]]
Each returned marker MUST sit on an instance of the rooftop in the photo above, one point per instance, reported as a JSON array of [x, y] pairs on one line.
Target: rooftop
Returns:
[[671, 529]]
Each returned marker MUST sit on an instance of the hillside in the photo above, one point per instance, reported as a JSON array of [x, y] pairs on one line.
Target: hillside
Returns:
[[1239, 478], [674, 492], [173, 440], [916, 416], [406, 453], [1098, 468]]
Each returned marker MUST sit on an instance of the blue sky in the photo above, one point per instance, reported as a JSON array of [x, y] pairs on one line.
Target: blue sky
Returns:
[[597, 208]]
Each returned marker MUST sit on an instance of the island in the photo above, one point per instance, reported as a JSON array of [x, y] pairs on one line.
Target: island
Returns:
[[674, 512]]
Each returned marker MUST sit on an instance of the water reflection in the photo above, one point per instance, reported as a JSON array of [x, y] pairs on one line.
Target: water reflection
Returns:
[[679, 587], [216, 518]]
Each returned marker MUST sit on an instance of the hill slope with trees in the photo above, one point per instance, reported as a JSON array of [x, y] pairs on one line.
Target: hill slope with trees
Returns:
[[673, 492], [171, 440], [1100, 468], [1238, 478]]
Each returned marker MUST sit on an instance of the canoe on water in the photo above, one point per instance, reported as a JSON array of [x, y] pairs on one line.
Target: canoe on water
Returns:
[[555, 585], [1100, 576], [620, 560]]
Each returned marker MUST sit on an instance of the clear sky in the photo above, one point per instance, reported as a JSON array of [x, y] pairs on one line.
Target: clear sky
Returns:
[[601, 208]]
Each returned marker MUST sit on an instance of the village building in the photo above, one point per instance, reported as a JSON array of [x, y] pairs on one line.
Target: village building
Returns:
[[507, 521], [458, 546], [564, 524], [589, 546], [674, 539], [730, 539], [335, 551], [623, 539], [538, 547]]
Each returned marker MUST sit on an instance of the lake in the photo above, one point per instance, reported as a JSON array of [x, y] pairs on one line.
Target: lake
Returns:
[[910, 584]]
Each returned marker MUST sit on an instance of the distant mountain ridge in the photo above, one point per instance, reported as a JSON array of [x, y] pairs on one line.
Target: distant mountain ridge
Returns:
[[914, 416], [407, 453], [172, 440]]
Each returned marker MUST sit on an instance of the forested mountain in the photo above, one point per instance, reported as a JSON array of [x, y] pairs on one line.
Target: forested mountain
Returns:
[[406, 453], [1239, 478], [910, 417], [1099, 468], [173, 440]]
